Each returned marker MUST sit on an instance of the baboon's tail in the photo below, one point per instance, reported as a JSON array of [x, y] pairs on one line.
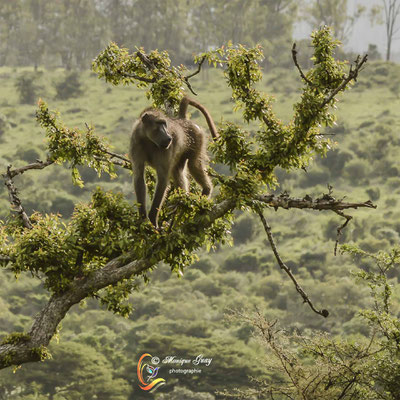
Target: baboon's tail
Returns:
[[185, 102]]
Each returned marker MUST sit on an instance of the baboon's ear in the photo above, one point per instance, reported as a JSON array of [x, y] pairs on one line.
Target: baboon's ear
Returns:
[[146, 118]]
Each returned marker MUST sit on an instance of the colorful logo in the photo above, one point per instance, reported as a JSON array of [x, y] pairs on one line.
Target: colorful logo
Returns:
[[150, 384]]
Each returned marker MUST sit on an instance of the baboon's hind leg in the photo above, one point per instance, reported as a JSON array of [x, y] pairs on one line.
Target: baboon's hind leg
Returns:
[[197, 169], [179, 176]]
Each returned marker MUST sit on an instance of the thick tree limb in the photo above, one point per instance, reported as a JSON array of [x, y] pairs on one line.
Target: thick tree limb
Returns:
[[285, 268], [123, 267]]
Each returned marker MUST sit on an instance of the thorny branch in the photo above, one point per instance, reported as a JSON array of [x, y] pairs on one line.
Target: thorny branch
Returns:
[[283, 266]]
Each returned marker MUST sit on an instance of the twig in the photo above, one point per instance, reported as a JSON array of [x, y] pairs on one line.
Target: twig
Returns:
[[294, 56], [353, 74], [137, 77], [110, 153], [124, 164], [283, 266], [198, 69], [341, 227], [14, 199], [186, 78]]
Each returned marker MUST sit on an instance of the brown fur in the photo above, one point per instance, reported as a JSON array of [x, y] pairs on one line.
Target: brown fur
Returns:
[[168, 144]]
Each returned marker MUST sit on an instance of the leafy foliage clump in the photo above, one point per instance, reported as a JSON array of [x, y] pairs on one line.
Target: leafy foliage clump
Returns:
[[73, 145]]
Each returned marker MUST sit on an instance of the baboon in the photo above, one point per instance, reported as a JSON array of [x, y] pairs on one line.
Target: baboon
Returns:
[[168, 144]]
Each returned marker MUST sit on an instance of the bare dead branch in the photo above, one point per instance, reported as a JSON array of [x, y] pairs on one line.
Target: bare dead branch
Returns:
[[285, 268], [341, 227], [325, 202], [294, 57]]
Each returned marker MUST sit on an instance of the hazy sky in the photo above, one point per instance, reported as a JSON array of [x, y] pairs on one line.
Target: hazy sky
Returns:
[[363, 33]]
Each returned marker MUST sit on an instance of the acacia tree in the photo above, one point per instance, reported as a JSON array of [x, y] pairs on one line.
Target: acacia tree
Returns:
[[327, 368], [104, 250]]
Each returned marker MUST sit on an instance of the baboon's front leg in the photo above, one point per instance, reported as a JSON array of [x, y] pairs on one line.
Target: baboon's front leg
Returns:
[[140, 188], [159, 196]]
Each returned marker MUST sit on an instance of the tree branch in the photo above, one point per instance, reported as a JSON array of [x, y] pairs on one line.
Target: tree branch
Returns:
[[283, 266], [186, 78], [36, 165], [15, 201], [115, 155], [127, 265], [137, 77], [352, 75], [122, 267], [325, 202], [294, 56], [341, 227]]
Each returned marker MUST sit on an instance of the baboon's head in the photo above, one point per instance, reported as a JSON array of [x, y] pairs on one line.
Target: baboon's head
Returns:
[[156, 130]]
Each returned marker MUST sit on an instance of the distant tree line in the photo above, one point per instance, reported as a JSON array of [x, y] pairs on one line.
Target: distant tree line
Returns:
[[69, 33]]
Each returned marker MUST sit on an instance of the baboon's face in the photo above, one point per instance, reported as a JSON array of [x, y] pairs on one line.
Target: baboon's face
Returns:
[[157, 130]]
